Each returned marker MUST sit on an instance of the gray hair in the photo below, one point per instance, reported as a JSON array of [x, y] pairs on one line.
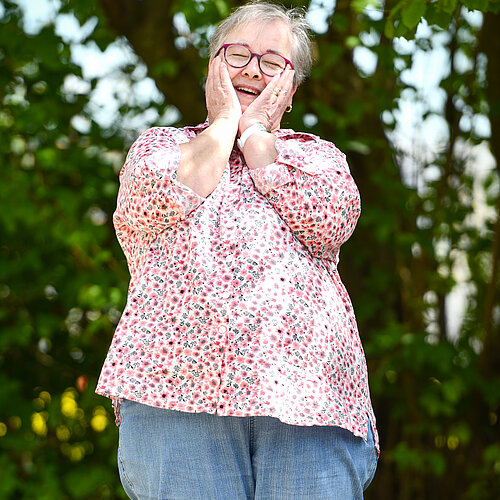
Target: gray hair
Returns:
[[265, 11]]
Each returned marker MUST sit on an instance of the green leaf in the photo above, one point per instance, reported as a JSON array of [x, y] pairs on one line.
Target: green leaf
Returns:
[[10, 477], [492, 453], [438, 17], [84, 480], [352, 41], [166, 68], [389, 30], [359, 6], [222, 8], [437, 462], [481, 5], [447, 5], [413, 12], [406, 457]]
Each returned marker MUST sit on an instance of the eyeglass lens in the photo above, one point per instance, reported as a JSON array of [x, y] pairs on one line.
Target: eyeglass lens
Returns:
[[239, 56]]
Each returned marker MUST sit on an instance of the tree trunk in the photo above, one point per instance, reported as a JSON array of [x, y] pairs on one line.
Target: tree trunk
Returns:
[[148, 26], [490, 45]]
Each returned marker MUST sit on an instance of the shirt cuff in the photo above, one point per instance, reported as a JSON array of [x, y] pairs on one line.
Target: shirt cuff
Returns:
[[277, 174]]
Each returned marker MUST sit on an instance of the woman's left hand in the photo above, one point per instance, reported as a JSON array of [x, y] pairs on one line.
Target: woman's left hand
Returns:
[[269, 106]]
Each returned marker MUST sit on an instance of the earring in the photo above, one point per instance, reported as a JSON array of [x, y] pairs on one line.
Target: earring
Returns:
[[288, 108]]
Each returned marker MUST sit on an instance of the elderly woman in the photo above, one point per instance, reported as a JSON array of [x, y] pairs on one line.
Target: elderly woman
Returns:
[[237, 370]]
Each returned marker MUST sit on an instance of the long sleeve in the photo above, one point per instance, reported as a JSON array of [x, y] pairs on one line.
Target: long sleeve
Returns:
[[310, 186], [150, 197]]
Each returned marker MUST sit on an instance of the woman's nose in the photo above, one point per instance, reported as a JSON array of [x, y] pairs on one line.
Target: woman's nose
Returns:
[[252, 69]]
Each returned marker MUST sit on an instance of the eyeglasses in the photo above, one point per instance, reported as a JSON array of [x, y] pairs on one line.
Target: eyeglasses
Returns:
[[238, 56]]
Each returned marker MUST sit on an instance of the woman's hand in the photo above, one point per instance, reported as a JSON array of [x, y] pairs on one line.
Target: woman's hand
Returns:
[[204, 158], [270, 105], [222, 101]]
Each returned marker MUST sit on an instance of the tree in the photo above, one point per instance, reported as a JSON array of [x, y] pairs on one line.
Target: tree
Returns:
[[63, 278]]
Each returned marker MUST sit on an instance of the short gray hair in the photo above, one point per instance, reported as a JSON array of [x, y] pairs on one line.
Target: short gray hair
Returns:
[[266, 11]]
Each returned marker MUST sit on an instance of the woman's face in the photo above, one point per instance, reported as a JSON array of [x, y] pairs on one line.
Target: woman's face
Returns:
[[259, 37]]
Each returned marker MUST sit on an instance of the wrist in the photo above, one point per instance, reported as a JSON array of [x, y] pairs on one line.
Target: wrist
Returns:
[[249, 131], [224, 121], [245, 123], [223, 130]]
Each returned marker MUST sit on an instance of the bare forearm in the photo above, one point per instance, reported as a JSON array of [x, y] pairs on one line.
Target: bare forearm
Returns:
[[260, 150], [204, 158]]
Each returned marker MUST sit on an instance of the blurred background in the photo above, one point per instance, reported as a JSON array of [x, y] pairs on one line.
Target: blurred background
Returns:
[[409, 90]]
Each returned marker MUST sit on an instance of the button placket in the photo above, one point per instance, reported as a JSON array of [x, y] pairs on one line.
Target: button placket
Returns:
[[229, 246]]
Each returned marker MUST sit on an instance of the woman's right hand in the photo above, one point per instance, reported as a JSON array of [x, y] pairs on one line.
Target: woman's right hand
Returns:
[[204, 158], [222, 101]]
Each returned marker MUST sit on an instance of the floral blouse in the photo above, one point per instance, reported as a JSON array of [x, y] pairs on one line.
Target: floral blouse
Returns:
[[235, 304]]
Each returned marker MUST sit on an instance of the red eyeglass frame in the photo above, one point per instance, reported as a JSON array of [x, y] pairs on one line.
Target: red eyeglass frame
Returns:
[[252, 55]]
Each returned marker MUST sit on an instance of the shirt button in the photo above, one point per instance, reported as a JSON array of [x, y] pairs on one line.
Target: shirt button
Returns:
[[222, 329]]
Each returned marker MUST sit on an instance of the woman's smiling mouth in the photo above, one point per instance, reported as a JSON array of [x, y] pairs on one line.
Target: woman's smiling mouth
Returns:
[[247, 90]]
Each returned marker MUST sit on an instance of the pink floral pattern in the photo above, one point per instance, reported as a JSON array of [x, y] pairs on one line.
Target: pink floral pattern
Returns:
[[235, 303]]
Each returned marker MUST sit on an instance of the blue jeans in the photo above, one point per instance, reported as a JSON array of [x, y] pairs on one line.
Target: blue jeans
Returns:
[[173, 455]]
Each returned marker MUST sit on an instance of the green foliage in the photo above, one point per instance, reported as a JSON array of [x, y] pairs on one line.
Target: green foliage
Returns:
[[63, 278], [405, 15]]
